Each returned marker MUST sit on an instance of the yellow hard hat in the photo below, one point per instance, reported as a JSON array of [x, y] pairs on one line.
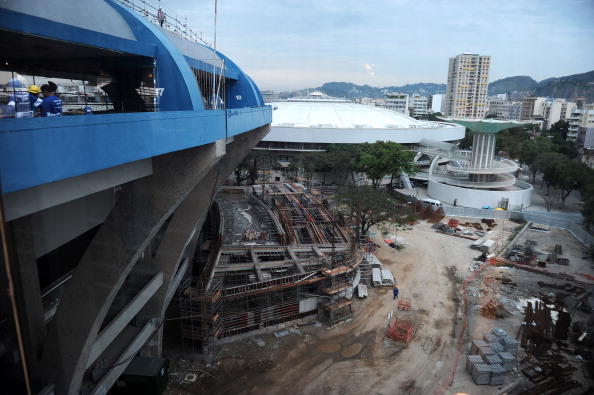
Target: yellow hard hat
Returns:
[[34, 89]]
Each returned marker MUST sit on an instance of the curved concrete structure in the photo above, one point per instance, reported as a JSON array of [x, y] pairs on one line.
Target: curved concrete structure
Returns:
[[311, 124], [475, 178], [103, 210]]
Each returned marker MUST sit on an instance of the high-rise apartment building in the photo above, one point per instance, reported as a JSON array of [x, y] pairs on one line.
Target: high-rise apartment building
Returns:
[[468, 80]]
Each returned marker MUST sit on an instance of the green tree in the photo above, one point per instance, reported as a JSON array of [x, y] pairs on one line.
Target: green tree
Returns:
[[586, 189], [560, 128], [369, 206], [248, 168], [466, 142], [340, 160], [434, 116], [532, 149], [384, 158]]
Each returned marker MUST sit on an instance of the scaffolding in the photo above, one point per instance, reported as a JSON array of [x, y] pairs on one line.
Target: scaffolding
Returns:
[[275, 255]]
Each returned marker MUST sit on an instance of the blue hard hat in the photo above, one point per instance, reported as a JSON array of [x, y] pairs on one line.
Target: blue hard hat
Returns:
[[15, 83]]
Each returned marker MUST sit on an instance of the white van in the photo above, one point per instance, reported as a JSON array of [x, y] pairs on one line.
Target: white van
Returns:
[[432, 202]]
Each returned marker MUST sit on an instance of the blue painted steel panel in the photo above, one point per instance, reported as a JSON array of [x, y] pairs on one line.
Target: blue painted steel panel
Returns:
[[174, 76], [29, 24], [40, 150]]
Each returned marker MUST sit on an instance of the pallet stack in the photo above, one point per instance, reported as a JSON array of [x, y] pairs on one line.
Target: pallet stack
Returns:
[[491, 358]]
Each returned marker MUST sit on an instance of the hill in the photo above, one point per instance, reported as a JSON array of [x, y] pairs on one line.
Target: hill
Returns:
[[512, 84], [568, 87], [517, 87], [353, 91]]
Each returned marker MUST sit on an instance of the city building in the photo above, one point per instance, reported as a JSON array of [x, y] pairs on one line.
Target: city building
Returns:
[[434, 103], [270, 96], [101, 213], [418, 106], [581, 123], [533, 109], [467, 85], [397, 102]]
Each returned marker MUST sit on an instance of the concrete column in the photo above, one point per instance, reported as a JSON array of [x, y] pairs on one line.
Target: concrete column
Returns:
[[28, 292], [143, 207], [184, 228]]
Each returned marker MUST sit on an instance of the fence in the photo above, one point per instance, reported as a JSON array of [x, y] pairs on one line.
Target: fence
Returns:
[[571, 222]]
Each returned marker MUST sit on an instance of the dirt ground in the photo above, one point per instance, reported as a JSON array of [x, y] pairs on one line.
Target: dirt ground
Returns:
[[357, 357]]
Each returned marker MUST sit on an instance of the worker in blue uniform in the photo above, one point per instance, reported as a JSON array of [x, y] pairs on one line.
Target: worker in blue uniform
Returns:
[[51, 105], [34, 99], [19, 103]]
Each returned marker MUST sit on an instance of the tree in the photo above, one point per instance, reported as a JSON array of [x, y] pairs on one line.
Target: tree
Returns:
[[560, 128], [434, 117], [370, 206], [340, 160], [586, 189], [466, 142], [248, 168], [384, 158], [532, 149]]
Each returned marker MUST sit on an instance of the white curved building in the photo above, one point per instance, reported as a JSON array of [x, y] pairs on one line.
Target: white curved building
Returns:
[[310, 124], [475, 178]]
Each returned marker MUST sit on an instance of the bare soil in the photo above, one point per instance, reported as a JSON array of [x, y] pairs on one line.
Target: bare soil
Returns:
[[357, 357]]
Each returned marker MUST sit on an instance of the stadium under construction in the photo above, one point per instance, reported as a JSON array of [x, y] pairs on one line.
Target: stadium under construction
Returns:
[[268, 255]]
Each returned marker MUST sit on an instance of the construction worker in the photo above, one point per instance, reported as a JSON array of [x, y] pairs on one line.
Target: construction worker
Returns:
[[19, 102], [395, 292], [51, 106], [34, 99]]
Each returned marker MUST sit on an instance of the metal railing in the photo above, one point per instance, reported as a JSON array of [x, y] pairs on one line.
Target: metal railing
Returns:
[[569, 221], [170, 22]]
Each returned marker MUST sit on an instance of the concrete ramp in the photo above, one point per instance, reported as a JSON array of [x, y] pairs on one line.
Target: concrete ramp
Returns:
[[405, 181]]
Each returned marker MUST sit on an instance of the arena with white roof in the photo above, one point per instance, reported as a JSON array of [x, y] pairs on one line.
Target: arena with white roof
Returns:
[[309, 124]]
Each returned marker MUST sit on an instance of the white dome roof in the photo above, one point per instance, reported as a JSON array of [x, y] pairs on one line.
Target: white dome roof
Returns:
[[340, 115]]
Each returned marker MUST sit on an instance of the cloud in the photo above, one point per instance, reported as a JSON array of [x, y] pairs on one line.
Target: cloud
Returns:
[[402, 39]]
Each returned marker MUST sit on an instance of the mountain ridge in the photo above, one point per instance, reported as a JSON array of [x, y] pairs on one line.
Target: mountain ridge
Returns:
[[517, 87]]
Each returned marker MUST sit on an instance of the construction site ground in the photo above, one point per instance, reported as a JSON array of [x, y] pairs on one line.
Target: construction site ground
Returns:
[[357, 357]]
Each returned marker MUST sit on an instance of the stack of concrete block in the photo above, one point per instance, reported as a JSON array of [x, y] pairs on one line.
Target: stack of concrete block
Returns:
[[490, 339], [472, 360], [509, 345], [476, 344], [507, 361], [481, 374], [497, 374], [485, 351], [493, 360], [498, 332], [497, 347]]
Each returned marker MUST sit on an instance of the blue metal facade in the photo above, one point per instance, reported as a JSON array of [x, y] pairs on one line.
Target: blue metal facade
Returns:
[[36, 151]]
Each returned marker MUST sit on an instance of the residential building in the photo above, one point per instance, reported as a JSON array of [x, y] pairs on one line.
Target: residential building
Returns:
[[468, 80], [580, 119], [418, 106], [270, 96], [532, 109], [397, 102], [555, 110], [434, 103]]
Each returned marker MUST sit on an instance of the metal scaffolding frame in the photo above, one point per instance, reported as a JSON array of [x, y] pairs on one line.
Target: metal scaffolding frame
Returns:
[[279, 256]]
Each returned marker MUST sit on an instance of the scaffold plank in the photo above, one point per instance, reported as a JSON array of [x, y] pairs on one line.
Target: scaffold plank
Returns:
[[337, 304], [337, 288], [338, 270]]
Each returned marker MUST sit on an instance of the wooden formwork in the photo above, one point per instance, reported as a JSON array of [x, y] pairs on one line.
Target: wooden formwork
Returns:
[[403, 304], [401, 330]]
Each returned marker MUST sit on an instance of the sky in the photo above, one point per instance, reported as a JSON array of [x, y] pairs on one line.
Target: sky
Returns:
[[286, 45]]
